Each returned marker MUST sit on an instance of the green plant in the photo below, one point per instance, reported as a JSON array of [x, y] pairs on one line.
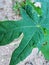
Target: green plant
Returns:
[[35, 27]]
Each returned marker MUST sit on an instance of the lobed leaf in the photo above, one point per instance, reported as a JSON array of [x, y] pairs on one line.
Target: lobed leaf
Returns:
[[45, 46], [32, 26], [29, 41]]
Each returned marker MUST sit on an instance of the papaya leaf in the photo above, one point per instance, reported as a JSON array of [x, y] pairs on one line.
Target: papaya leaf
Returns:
[[33, 37], [45, 24], [8, 32], [45, 46], [32, 26], [30, 41], [37, 9]]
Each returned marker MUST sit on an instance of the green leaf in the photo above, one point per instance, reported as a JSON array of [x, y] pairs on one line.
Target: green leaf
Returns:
[[45, 46], [27, 2], [31, 12], [8, 32], [31, 25], [29, 41], [37, 9], [44, 22]]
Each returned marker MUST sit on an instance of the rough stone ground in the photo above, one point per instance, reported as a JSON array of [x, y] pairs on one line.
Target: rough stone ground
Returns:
[[35, 58]]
